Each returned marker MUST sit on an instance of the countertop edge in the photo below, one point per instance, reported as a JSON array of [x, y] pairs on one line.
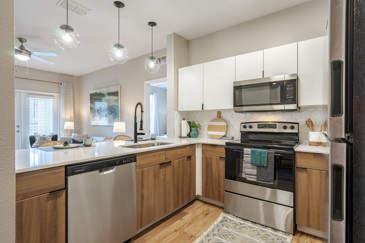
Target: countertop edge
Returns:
[[131, 151]]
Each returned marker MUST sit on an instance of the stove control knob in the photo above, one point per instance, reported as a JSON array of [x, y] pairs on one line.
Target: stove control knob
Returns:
[[285, 127], [250, 126], [244, 126], [292, 127]]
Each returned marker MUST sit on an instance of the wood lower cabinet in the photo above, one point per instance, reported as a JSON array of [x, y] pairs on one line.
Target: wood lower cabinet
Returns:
[[42, 218], [165, 181], [311, 192], [41, 206], [151, 192], [180, 182], [213, 168]]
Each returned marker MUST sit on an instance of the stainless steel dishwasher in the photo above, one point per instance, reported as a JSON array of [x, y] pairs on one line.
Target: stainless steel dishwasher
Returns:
[[101, 200]]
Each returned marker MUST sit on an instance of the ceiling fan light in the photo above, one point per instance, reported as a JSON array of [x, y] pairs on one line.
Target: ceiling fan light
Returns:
[[152, 64], [22, 55], [118, 53], [66, 38]]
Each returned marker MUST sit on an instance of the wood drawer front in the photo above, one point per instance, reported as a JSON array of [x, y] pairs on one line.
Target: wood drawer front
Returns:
[[214, 150], [312, 161], [150, 158], [180, 152], [35, 183]]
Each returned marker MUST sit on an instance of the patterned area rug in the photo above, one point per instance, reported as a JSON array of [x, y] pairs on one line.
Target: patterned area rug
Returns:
[[228, 228]]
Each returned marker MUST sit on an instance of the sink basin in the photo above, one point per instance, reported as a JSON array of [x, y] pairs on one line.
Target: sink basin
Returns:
[[146, 145]]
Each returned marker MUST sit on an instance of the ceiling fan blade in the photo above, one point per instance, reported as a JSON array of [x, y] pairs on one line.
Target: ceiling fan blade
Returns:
[[45, 53], [42, 59]]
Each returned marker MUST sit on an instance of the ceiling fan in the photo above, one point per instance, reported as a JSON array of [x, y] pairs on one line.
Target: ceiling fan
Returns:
[[22, 54]]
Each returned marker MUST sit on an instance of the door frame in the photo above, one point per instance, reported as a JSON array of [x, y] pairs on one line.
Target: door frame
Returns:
[[146, 101]]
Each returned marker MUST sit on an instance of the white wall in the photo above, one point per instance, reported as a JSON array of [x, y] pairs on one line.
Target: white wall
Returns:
[[161, 110], [131, 77], [302, 22], [177, 57], [34, 85], [7, 127]]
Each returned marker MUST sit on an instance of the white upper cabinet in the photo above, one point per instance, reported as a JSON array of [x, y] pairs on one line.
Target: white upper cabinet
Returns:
[[280, 60], [191, 88], [218, 84], [313, 72], [249, 66]]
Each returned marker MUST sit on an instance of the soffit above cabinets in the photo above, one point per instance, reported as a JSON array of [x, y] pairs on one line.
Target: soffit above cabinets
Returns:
[[95, 21]]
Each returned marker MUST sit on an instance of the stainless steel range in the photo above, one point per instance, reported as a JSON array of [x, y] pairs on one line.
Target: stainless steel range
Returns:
[[262, 193]]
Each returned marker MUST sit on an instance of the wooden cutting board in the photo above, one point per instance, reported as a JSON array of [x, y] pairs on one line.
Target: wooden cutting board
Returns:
[[217, 127]]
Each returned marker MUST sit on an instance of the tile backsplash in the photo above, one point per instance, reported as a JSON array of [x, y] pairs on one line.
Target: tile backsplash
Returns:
[[317, 113]]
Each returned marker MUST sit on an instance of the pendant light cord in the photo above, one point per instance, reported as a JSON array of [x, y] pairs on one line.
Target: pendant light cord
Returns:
[[151, 41], [67, 12], [118, 25]]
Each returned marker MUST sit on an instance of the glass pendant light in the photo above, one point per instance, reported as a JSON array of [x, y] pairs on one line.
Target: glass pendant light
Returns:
[[152, 64], [65, 37], [118, 53]]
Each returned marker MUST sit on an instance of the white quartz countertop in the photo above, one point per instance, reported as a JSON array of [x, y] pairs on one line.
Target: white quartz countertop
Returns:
[[312, 149], [34, 159]]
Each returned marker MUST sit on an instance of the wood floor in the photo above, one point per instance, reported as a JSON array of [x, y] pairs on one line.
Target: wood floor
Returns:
[[189, 223]]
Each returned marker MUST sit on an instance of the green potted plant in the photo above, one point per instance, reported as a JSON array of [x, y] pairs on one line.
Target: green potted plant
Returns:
[[194, 129]]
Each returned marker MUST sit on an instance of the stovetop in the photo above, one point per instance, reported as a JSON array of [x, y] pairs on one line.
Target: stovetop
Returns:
[[268, 135]]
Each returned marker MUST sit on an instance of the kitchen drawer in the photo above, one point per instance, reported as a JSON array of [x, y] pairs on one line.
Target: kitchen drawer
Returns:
[[214, 150], [150, 158], [180, 152], [35, 183], [312, 161]]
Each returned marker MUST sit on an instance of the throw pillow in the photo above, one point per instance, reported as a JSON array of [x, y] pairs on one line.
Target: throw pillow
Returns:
[[41, 140], [78, 138]]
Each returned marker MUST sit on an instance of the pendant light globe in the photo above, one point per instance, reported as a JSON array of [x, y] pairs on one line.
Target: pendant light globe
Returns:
[[152, 64], [118, 53], [66, 38]]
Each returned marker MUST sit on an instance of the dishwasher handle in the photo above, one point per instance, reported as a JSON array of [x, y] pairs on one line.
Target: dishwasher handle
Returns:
[[108, 170]]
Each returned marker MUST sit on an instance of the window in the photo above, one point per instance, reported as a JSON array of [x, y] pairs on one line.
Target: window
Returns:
[[40, 114], [35, 113]]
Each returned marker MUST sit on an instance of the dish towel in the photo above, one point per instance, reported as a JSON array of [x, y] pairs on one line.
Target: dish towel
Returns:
[[266, 174], [249, 170], [259, 157]]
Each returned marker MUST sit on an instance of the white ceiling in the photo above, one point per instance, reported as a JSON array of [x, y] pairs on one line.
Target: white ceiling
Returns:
[[36, 20]]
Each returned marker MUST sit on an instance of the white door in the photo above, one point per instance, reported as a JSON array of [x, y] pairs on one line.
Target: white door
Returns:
[[250, 65], [280, 60], [191, 88], [218, 84], [313, 72]]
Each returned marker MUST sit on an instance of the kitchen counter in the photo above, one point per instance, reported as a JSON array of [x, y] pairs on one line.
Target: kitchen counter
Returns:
[[34, 159], [312, 149]]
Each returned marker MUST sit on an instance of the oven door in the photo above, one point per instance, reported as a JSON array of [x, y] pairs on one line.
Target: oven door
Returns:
[[284, 174]]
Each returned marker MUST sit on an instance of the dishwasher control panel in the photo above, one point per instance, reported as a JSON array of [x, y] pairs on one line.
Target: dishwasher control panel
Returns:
[[100, 164]]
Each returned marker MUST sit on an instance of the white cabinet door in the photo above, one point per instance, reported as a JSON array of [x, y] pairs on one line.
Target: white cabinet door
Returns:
[[191, 88], [313, 72], [250, 65], [218, 84], [280, 60]]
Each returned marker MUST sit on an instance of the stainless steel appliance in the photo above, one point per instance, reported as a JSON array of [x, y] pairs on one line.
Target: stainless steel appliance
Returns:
[[347, 119], [266, 94], [101, 201], [270, 204]]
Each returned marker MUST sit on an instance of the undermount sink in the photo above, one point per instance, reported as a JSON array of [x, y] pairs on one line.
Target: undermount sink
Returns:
[[146, 145]]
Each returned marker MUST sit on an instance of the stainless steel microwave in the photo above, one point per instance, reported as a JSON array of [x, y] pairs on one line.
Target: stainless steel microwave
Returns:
[[266, 94]]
